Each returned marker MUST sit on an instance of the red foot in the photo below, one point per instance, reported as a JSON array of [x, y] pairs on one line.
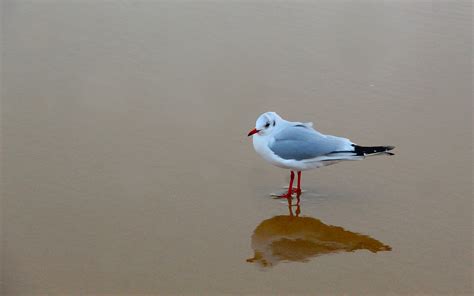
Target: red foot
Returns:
[[286, 195], [290, 187], [296, 190]]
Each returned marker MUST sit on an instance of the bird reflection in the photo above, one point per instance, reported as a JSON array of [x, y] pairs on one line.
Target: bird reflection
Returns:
[[294, 238]]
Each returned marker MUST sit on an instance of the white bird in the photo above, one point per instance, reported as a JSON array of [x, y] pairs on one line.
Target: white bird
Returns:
[[298, 147]]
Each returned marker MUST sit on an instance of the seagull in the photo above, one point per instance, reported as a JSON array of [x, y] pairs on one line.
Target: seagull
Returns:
[[297, 146]]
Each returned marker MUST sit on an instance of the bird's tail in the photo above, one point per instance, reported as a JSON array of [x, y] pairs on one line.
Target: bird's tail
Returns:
[[372, 150]]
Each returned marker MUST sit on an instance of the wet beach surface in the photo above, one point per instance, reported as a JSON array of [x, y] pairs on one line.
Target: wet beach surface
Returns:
[[126, 167]]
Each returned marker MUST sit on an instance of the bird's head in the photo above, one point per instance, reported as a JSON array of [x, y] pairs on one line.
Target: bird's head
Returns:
[[266, 124]]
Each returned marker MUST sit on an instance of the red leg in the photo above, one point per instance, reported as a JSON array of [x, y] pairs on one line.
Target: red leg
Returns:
[[290, 187], [297, 190]]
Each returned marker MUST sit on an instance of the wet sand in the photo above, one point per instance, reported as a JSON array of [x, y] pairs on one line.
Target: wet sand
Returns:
[[126, 167]]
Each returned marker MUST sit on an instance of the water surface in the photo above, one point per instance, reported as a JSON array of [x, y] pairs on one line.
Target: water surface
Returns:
[[126, 167]]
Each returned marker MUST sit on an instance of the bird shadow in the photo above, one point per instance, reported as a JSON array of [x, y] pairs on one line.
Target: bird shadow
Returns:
[[295, 238]]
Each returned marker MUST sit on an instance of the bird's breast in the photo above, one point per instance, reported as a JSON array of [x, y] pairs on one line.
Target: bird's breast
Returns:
[[261, 146]]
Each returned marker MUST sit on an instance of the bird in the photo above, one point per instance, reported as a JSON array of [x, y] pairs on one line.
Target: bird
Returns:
[[297, 146]]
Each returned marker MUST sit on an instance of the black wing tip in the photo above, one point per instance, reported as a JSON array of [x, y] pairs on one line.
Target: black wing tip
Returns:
[[363, 150]]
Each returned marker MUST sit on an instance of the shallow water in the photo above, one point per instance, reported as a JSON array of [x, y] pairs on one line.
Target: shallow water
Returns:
[[126, 167]]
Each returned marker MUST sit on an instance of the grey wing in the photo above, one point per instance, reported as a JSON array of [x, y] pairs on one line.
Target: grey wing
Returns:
[[300, 142]]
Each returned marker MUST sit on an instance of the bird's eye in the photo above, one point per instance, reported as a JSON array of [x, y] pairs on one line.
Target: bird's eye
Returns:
[[274, 123], [267, 125]]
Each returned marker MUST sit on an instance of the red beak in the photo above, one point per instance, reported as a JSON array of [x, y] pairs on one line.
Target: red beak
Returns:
[[254, 131]]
